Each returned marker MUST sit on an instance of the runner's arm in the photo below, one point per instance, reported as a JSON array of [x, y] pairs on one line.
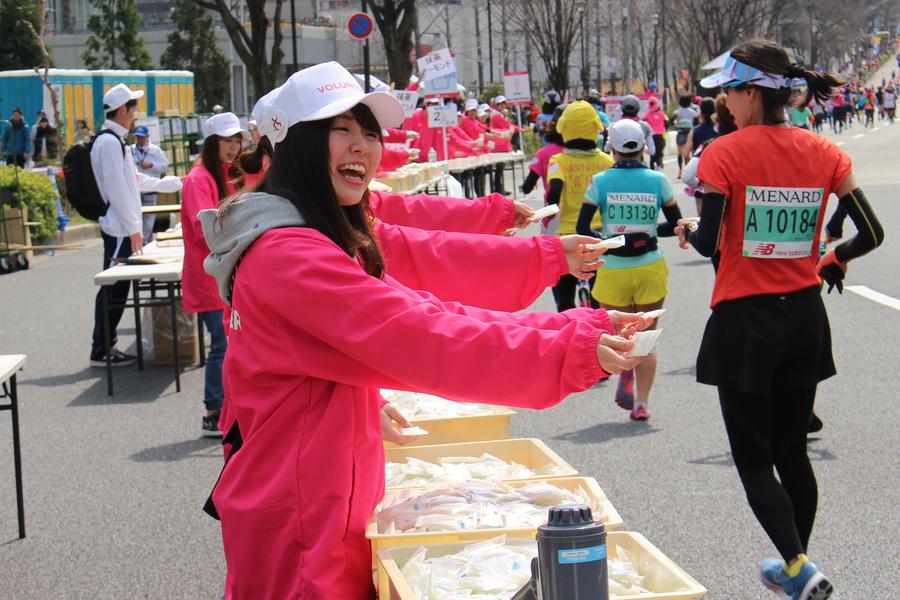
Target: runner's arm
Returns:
[[869, 234], [555, 193], [530, 182], [705, 239], [584, 220], [672, 213]]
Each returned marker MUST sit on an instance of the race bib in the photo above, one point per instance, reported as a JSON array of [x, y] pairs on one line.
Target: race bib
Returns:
[[781, 222], [631, 213]]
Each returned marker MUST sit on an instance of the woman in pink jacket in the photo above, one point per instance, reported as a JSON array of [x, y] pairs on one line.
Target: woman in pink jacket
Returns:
[[317, 327], [211, 179]]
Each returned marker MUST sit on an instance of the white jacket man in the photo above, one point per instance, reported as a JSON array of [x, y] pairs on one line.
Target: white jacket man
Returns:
[[151, 161]]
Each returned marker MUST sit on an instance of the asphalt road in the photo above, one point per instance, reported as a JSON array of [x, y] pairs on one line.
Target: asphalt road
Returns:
[[114, 486]]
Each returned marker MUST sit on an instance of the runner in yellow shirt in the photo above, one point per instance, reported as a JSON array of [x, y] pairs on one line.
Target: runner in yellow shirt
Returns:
[[568, 176]]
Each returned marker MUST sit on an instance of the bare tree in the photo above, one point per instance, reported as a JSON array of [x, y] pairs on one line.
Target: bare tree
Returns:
[[265, 70], [45, 75], [396, 20], [551, 26]]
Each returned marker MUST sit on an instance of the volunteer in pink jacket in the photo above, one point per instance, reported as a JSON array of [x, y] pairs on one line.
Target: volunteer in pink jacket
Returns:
[[211, 180], [317, 327]]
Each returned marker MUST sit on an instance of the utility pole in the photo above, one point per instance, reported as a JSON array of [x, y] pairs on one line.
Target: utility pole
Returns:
[[294, 31], [504, 36], [112, 49], [366, 67], [490, 25], [626, 47], [447, 22], [665, 40], [478, 47]]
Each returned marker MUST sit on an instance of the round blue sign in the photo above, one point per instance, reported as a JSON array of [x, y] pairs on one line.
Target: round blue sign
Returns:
[[360, 26]]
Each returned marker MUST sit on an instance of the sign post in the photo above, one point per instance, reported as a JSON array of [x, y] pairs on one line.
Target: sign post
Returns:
[[443, 116], [517, 89], [361, 27]]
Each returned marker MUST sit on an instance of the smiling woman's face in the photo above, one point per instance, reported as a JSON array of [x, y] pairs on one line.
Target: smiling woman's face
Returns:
[[354, 155]]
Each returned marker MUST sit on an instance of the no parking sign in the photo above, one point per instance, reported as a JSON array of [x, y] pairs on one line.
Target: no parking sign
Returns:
[[360, 26]]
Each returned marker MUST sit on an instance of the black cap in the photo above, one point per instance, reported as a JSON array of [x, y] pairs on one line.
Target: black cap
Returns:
[[569, 516]]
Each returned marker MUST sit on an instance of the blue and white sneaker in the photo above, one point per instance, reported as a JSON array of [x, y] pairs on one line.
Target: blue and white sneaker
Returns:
[[809, 584]]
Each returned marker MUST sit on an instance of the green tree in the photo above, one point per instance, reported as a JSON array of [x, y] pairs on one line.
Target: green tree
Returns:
[[18, 49], [396, 20], [114, 41], [193, 47]]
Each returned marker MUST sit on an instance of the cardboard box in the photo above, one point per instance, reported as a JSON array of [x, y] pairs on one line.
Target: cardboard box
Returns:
[[188, 346]]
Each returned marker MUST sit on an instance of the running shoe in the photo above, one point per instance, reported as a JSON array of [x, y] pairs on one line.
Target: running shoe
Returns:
[[210, 426], [117, 359], [640, 413], [809, 584], [625, 390], [815, 424]]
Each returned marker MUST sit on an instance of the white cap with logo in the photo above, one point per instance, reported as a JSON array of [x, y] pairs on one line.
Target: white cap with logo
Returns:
[[626, 136], [224, 125], [118, 95], [320, 92], [471, 104]]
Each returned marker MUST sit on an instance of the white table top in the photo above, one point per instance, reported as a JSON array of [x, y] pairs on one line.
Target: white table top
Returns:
[[161, 209], [166, 271], [9, 364]]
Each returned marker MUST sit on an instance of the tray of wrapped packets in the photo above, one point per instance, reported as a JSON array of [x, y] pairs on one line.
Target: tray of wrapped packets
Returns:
[[449, 422], [499, 567], [479, 510], [497, 460]]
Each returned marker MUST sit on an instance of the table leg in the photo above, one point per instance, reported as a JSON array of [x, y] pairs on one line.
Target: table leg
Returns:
[[201, 339], [137, 323], [17, 456], [176, 360], [104, 304]]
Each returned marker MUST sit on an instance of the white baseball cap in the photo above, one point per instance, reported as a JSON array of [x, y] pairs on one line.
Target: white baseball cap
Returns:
[[224, 125], [118, 95], [471, 104], [626, 136], [320, 92], [500, 99]]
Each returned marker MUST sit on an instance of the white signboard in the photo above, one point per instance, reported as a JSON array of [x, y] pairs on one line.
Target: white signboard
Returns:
[[436, 64], [441, 86], [407, 100], [516, 87], [442, 116], [152, 125]]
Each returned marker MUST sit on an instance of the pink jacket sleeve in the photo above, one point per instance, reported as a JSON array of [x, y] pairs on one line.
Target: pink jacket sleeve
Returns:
[[345, 326], [491, 214], [505, 273]]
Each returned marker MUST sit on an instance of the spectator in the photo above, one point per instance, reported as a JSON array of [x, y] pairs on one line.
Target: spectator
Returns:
[[17, 140], [120, 185], [151, 161], [82, 132], [44, 140]]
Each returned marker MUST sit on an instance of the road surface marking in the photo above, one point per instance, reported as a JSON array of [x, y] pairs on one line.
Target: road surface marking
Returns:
[[839, 143], [858, 135], [875, 129], [874, 296], [670, 160]]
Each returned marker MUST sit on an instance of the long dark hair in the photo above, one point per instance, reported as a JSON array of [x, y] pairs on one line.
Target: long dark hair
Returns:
[[300, 172], [209, 158], [771, 58], [251, 161]]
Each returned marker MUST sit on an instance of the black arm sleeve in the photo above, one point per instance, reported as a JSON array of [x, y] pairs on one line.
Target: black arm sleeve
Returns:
[[555, 193], [869, 232], [530, 182], [584, 220], [835, 225], [672, 213], [705, 239]]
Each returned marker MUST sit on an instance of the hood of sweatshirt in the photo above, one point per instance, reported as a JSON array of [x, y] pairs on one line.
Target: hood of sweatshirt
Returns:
[[229, 233]]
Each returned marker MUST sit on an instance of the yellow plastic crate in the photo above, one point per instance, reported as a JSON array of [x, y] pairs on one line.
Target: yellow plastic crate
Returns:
[[528, 452], [674, 584], [380, 541], [452, 430]]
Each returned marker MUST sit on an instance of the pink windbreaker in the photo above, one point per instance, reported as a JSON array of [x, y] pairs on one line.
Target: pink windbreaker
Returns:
[[542, 161], [199, 192], [490, 214], [316, 338]]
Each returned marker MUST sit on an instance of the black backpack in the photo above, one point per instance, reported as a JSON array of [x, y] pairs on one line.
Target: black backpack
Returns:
[[81, 185]]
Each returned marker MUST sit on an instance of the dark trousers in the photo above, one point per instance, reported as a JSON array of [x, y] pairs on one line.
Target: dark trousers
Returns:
[[657, 159], [15, 159], [497, 185], [112, 248], [564, 292], [766, 433]]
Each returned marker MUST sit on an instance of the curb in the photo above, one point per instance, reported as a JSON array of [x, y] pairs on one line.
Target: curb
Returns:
[[75, 233]]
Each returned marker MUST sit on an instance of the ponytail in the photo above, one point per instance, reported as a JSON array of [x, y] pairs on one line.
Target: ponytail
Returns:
[[251, 161], [821, 86]]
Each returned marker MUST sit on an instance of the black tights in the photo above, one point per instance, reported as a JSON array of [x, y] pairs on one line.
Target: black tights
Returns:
[[766, 432], [564, 292]]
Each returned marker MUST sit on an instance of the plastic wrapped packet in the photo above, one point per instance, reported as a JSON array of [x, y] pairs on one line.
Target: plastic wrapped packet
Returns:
[[457, 469], [476, 505], [415, 405]]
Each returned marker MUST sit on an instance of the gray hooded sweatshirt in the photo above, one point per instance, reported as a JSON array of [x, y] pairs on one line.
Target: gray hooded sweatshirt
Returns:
[[229, 236]]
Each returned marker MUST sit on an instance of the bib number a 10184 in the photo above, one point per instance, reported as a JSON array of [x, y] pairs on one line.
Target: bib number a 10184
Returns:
[[781, 222]]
